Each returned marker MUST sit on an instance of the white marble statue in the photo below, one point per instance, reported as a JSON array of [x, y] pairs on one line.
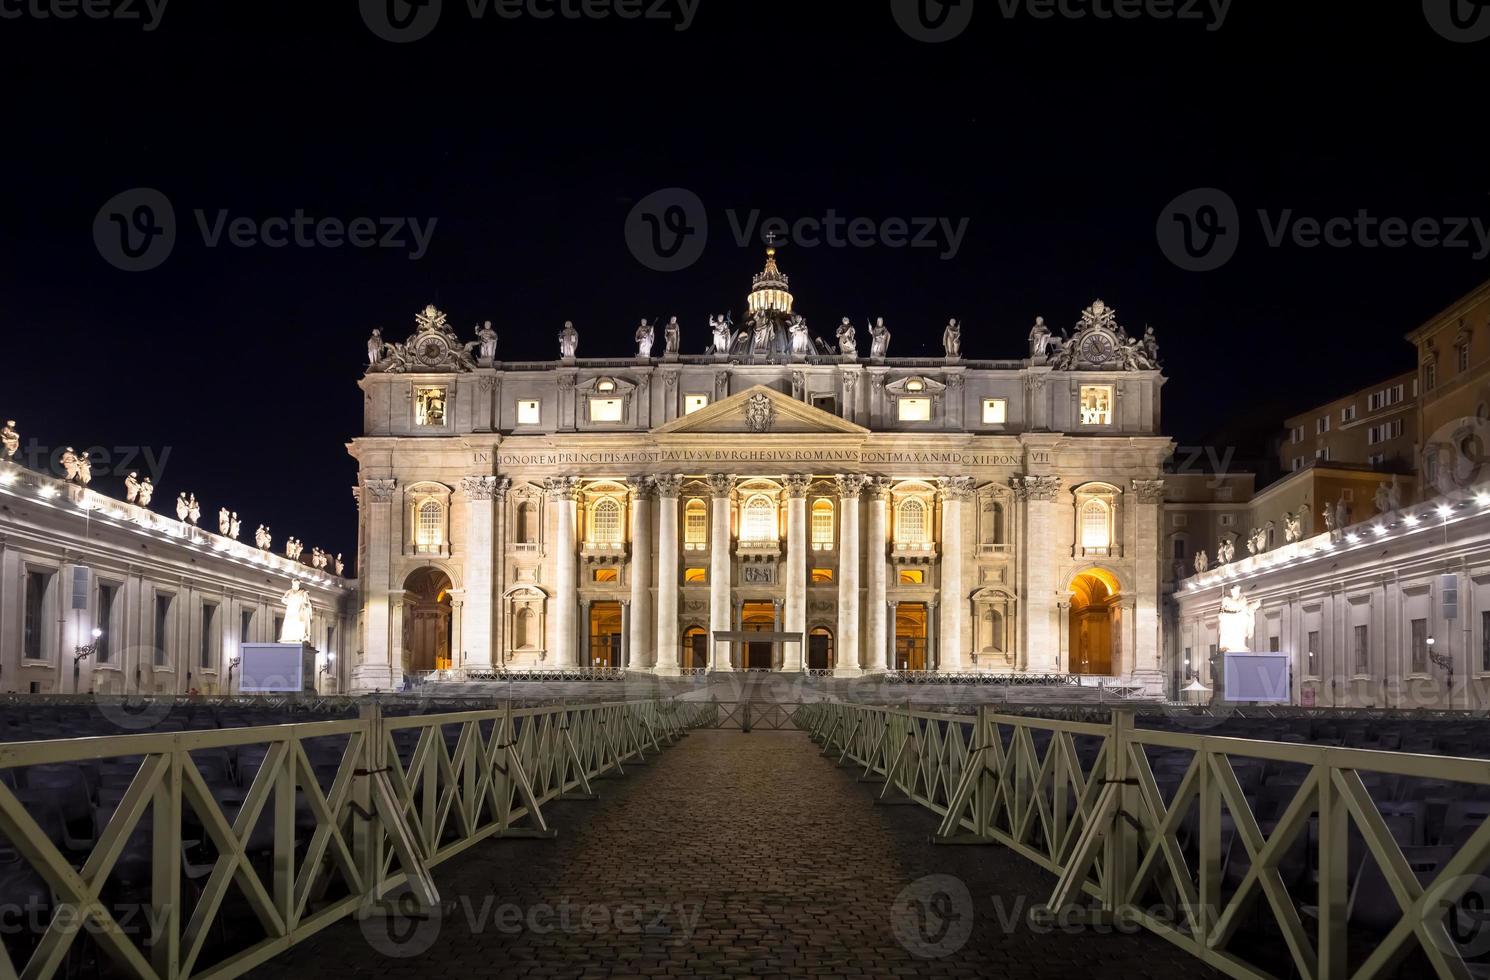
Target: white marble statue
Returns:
[[1225, 551], [568, 341], [1202, 563], [848, 338], [317, 558], [723, 331], [341, 566], [1041, 339], [182, 507], [801, 338], [193, 510], [952, 339], [672, 338], [147, 492], [1342, 515], [10, 440], [224, 521], [644, 337], [296, 627], [1293, 527], [294, 548], [1151, 347], [765, 333], [1252, 548], [1383, 499], [879, 339], [375, 347], [85, 469], [486, 339], [69, 464], [132, 488], [263, 539], [235, 527], [1237, 621]]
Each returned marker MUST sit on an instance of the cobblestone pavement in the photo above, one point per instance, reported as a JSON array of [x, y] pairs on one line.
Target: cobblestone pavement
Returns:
[[732, 855]]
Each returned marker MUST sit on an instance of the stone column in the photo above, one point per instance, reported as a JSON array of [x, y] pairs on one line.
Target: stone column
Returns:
[[377, 670], [561, 491], [798, 547], [720, 486], [1143, 656], [585, 659], [1037, 558], [955, 492], [847, 646], [475, 647], [667, 573], [625, 658], [892, 608], [876, 575], [639, 631], [776, 647]]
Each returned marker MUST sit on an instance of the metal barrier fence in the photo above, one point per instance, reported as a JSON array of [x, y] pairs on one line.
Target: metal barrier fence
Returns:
[[1089, 809], [331, 817]]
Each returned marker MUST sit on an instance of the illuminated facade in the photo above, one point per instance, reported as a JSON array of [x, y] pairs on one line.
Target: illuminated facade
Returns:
[[858, 513]]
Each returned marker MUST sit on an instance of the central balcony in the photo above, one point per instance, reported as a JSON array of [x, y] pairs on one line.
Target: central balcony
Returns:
[[913, 552], [758, 549], [604, 553]]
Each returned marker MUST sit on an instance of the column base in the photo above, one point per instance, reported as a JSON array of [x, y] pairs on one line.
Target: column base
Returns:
[[375, 679], [666, 670], [1153, 681], [848, 671]]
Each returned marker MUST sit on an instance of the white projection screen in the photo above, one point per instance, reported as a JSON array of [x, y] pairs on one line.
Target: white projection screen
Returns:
[[272, 668], [1261, 677]]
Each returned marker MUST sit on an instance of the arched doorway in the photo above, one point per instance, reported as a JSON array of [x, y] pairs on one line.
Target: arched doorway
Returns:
[[1093, 623], [910, 636], [695, 649], [427, 620], [758, 617], [605, 634], [820, 649]]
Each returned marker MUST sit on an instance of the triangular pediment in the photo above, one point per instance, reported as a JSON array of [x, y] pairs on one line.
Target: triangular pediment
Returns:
[[760, 411]]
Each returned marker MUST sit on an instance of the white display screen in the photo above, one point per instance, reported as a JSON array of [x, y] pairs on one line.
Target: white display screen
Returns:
[[271, 668], [1261, 677]]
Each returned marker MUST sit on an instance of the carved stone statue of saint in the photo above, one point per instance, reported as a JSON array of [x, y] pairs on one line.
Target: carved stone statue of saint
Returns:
[[1252, 539], [801, 339], [1225, 551], [1202, 563], [644, 337], [147, 492], [85, 470], [182, 507], [1237, 621], [193, 510], [1151, 346], [10, 440], [486, 339], [341, 566], [723, 331], [762, 336], [1383, 499], [224, 521], [568, 341], [235, 526], [296, 627], [879, 339], [375, 348], [132, 488], [263, 539], [1041, 339], [848, 339], [672, 338], [952, 339], [1293, 527], [69, 464]]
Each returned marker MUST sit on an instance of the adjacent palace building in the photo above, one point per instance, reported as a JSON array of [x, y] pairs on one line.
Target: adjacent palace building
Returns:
[[777, 503]]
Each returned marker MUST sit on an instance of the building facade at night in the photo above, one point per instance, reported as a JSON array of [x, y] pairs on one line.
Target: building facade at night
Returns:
[[775, 503]]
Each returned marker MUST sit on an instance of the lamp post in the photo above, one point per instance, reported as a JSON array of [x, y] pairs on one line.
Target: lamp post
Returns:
[[81, 653]]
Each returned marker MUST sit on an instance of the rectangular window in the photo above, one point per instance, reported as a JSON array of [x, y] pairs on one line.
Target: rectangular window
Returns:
[[1179, 549], [104, 621], [1420, 646], [914, 409], [1430, 376], [1096, 404], [1298, 433], [1274, 644], [1463, 358], [826, 403], [1362, 649], [528, 411], [1227, 520], [245, 626], [429, 406], [1377, 459], [607, 575], [912, 576], [1180, 520], [822, 525], [696, 526], [822, 576], [1321, 425], [1375, 401], [695, 576], [209, 623], [606, 409], [1323, 454], [1347, 414], [1189, 665], [995, 411], [692, 403], [162, 628], [279, 629], [1485, 641], [1298, 463], [37, 584], [1312, 644]]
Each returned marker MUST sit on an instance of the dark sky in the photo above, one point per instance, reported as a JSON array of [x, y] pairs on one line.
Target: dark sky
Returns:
[[1059, 142]]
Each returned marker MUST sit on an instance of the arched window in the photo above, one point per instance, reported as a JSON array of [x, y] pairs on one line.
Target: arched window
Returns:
[[822, 524], [522, 628], [429, 535], [760, 519], [527, 523], [1096, 526], [993, 624], [992, 530], [695, 525], [910, 523], [606, 522]]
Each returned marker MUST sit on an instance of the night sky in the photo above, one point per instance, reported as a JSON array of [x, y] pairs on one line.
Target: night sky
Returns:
[[1060, 143]]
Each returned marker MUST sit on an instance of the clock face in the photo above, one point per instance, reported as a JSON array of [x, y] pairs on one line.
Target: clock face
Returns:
[[1098, 349]]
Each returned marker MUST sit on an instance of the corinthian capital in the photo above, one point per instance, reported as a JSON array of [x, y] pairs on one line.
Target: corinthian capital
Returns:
[[851, 484], [479, 487], [1035, 487], [879, 487], [561, 487], [379, 491], [720, 484], [957, 487], [1149, 491], [668, 485], [642, 486], [797, 484]]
